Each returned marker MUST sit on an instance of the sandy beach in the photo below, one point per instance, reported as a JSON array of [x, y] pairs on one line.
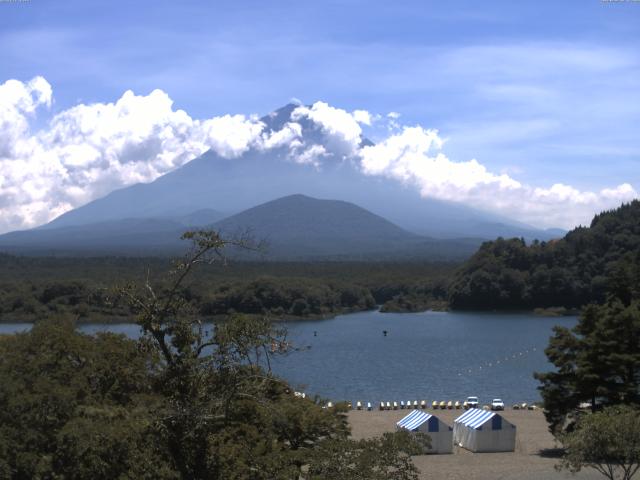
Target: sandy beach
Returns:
[[532, 460]]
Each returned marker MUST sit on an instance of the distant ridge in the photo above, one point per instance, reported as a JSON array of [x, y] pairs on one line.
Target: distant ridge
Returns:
[[295, 227]]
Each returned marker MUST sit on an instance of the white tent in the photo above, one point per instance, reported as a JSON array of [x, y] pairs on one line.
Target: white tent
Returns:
[[440, 433], [484, 431]]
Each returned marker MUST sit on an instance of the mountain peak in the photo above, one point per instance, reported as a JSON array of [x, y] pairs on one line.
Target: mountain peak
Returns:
[[232, 185], [296, 197], [277, 119]]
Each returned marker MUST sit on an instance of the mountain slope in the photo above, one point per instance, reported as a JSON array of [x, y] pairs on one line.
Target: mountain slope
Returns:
[[295, 227], [134, 236], [259, 176], [300, 226], [139, 236]]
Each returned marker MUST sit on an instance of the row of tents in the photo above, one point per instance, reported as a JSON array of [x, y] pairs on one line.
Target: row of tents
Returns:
[[476, 430]]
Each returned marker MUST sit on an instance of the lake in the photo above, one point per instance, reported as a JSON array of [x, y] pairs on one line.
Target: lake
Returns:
[[428, 355]]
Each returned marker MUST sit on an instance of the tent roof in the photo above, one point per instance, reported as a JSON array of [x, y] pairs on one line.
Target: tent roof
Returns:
[[475, 417], [414, 420]]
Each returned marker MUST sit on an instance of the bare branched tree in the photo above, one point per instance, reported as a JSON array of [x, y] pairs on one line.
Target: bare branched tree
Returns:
[[205, 368]]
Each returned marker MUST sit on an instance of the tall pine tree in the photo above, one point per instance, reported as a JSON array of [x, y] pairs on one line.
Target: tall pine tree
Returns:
[[598, 361]]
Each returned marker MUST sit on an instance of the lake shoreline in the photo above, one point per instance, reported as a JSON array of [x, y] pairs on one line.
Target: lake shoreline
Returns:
[[290, 319]]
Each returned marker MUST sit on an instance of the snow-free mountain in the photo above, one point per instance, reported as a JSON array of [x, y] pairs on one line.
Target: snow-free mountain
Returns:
[[277, 194], [296, 227], [231, 185]]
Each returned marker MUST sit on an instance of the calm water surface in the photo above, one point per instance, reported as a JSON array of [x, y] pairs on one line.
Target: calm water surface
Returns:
[[429, 355]]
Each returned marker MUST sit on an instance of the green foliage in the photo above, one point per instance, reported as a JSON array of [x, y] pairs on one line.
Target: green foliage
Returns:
[[571, 272], [220, 417], [427, 292], [226, 415], [42, 286], [183, 402], [104, 443], [74, 405], [384, 458], [598, 361], [288, 297], [608, 441]]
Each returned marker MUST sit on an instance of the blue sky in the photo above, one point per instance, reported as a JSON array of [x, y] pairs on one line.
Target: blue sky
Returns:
[[546, 92]]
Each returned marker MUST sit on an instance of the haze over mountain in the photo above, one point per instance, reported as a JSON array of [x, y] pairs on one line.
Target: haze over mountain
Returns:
[[231, 185], [296, 227], [137, 236]]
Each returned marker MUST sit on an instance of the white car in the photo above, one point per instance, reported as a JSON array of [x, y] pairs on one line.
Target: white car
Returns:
[[497, 404], [472, 402]]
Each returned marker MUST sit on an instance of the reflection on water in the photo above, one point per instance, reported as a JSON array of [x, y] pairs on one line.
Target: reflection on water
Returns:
[[430, 355]]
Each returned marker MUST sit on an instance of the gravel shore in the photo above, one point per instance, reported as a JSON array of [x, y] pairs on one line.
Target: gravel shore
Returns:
[[533, 459]]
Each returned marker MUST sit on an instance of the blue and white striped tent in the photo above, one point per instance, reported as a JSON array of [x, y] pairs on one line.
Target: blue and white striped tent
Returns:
[[440, 433], [484, 431]]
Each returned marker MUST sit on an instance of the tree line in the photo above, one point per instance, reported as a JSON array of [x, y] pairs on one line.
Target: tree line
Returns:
[[31, 288]]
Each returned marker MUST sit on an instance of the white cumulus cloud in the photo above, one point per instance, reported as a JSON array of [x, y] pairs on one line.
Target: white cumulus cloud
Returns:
[[414, 156], [89, 150], [364, 117], [342, 130]]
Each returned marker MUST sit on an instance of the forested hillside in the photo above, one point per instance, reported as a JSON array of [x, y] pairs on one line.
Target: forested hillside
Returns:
[[570, 272], [35, 287]]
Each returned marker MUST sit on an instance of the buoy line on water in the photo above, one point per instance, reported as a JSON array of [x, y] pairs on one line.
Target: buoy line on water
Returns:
[[498, 362], [419, 405]]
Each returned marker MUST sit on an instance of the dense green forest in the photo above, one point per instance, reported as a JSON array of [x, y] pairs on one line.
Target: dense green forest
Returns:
[[33, 287], [504, 274], [570, 272], [597, 362]]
